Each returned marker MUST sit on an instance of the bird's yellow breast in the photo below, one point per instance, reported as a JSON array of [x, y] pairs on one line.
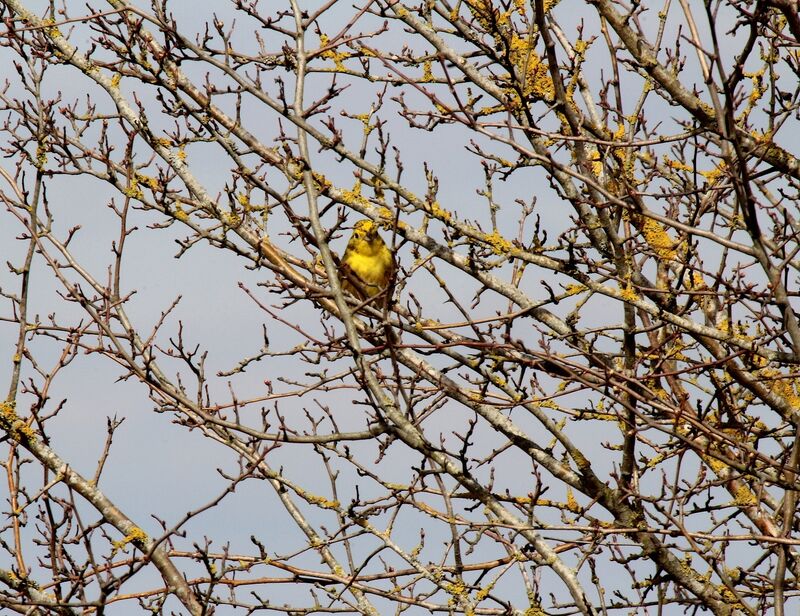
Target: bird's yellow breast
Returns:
[[370, 265]]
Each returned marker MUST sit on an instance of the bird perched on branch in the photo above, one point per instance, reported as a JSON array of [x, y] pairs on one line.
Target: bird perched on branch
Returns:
[[367, 264]]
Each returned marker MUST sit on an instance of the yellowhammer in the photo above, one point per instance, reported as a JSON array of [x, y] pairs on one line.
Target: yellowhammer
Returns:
[[367, 264]]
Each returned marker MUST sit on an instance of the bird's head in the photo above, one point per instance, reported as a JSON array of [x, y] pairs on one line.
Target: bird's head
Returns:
[[365, 230]]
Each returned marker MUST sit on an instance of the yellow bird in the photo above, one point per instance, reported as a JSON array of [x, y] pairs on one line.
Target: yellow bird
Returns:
[[367, 264]]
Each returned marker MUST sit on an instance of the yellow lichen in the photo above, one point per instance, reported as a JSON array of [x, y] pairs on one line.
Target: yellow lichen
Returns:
[[439, 212], [365, 120], [572, 504], [533, 71], [597, 162], [427, 508], [580, 460], [676, 164], [231, 219], [322, 502], [17, 429], [482, 11], [782, 385], [655, 461], [136, 536], [498, 380], [52, 30], [321, 183], [387, 217], [628, 292], [713, 175], [353, 196], [743, 496], [456, 589], [338, 57], [729, 596], [657, 238], [622, 155], [180, 214], [132, 191], [427, 72], [143, 62], [758, 91], [718, 466], [499, 244], [484, 592], [148, 181], [443, 109], [41, 154]]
